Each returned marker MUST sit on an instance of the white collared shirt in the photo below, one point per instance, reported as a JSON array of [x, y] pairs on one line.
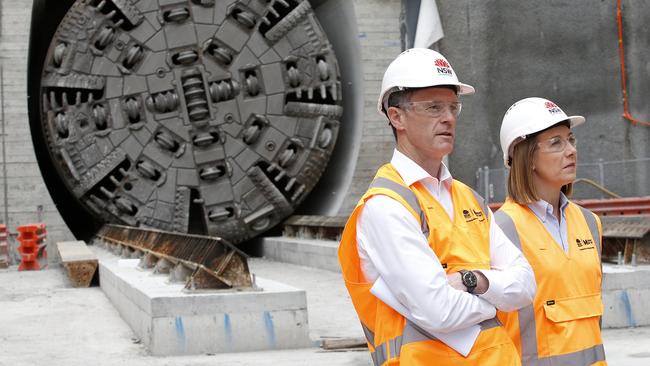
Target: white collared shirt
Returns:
[[558, 230], [391, 245]]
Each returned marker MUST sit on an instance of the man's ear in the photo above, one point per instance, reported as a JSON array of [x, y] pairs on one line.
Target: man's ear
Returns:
[[396, 117]]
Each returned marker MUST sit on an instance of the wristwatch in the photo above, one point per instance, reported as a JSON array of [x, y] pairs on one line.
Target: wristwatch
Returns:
[[469, 280]]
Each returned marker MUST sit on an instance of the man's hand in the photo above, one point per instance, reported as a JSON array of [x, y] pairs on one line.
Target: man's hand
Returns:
[[456, 282]]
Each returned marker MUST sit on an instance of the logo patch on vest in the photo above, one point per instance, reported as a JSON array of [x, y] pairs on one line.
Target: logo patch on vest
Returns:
[[584, 244], [471, 215]]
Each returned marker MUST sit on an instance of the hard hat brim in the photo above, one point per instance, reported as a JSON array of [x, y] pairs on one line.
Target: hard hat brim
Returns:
[[576, 120], [465, 89]]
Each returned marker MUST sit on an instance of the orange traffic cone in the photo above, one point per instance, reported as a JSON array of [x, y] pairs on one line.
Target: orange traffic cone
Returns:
[[32, 247]]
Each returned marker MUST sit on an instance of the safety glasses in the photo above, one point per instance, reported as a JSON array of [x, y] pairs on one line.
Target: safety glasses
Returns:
[[433, 108], [557, 144]]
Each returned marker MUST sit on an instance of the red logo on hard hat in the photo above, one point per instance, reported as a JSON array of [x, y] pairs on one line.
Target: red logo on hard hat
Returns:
[[443, 67], [441, 63], [552, 108]]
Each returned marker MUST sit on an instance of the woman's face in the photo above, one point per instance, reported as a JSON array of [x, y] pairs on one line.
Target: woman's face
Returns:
[[555, 157]]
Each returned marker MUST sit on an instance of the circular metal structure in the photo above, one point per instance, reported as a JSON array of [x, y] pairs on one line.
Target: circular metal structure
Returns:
[[212, 117]]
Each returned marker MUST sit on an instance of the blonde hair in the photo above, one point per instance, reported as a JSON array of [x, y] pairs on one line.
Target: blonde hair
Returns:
[[521, 188]]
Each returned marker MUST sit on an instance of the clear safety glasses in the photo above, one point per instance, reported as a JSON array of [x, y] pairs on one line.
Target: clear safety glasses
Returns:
[[557, 144], [433, 108]]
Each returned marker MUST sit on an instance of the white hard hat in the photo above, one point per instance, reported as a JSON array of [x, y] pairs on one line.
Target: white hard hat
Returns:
[[418, 68], [528, 116]]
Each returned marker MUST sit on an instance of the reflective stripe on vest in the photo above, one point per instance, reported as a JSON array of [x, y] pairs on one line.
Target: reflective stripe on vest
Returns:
[[402, 191], [412, 333], [584, 357], [407, 195], [412, 200], [370, 336], [508, 226], [527, 324]]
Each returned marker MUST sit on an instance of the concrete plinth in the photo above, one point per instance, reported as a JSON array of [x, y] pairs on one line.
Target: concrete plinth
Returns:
[[170, 321], [626, 293], [314, 253]]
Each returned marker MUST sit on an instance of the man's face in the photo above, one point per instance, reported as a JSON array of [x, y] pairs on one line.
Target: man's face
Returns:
[[427, 125]]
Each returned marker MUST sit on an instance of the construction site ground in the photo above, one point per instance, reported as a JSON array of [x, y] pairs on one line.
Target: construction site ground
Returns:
[[44, 321]]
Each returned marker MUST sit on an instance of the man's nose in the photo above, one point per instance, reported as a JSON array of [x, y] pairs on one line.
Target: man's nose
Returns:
[[570, 149], [448, 114]]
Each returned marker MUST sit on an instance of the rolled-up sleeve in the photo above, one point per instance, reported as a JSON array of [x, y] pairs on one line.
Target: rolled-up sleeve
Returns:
[[390, 237], [512, 280]]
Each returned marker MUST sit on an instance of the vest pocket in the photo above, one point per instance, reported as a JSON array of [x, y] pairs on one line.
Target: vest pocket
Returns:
[[573, 308]]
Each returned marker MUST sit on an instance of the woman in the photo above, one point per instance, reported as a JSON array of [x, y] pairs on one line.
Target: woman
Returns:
[[560, 239]]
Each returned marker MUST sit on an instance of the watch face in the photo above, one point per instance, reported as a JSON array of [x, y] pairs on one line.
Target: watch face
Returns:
[[469, 279]]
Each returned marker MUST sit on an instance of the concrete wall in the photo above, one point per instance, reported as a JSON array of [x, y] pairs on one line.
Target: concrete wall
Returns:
[[563, 50], [25, 188], [566, 51], [379, 35]]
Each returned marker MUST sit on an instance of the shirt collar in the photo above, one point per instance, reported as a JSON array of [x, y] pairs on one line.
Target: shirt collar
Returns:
[[411, 172], [543, 209]]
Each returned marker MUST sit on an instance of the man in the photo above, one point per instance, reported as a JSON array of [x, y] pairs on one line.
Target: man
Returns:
[[430, 239]]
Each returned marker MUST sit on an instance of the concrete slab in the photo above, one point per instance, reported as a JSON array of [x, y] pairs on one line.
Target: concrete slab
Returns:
[[45, 322], [626, 293], [172, 321], [314, 253], [331, 315]]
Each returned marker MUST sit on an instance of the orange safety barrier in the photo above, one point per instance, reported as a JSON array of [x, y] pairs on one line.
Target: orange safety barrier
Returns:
[[32, 238], [609, 207], [4, 247]]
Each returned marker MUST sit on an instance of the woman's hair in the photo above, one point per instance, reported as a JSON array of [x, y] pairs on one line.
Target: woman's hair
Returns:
[[521, 188]]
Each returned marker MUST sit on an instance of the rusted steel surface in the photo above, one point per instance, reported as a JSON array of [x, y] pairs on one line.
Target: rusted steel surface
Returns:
[[202, 262], [79, 262], [315, 227], [81, 273]]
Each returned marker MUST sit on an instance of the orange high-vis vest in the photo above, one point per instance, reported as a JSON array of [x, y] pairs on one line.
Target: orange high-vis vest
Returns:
[[562, 326], [461, 244]]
